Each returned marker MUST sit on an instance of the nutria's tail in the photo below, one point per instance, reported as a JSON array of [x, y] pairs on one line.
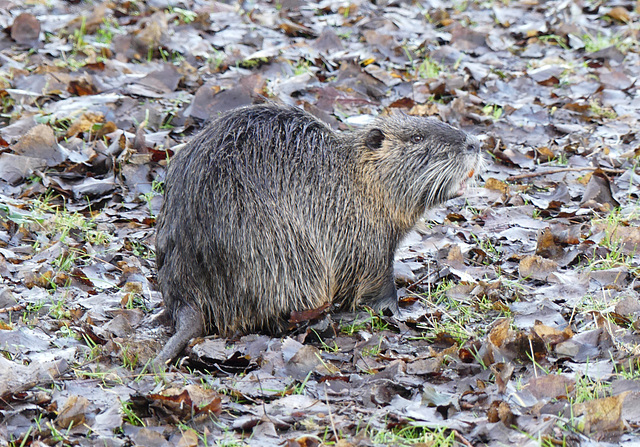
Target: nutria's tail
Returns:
[[189, 324]]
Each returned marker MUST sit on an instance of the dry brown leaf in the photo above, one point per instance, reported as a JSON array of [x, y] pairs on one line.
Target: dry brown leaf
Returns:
[[546, 245], [193, 399], [85, 123], [73, 412], [620, 14], [502, 372], [430, 109], [40, 142], [188, 438], [25, 29], [598, 193], [602, 416], [551, 386], [501, 332], [455, 256], [627, 235], [546, 152], [500, 411], [536, 267], [550, 335], [306, 315], [82, 87], [496, 185]]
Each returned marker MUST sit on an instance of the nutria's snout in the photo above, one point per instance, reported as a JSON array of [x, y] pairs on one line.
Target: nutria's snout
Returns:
[[472, 164]]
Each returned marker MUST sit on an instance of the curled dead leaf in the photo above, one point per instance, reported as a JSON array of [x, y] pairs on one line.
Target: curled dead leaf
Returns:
[[73, 412], [306, 315], [550, 335], [546, 152], [620, 14], [536, 267], [496, 185], [82, 87], [500, 332], [602, 417], [85, 123], [500, 411], [192, 400], [188, 438], [502, 372]]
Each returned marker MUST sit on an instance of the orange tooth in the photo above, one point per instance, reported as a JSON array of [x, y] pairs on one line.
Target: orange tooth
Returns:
[[471, 173]]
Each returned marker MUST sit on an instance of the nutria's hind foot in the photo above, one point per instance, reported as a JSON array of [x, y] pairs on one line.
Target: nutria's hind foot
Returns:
[[189, 324], [384, 298]]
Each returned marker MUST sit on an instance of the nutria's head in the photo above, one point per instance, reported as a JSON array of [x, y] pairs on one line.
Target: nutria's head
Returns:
[[418, 162]]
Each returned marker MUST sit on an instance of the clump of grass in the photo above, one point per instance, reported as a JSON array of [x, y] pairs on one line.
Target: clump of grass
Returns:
[[109, 27], [429, 69], [493, 111], [129, 415], [601, 41], [616, 255], [460, 320], [587, 389], [554, 39], [598, 111], [410, 435], [157, 189], [58, 221], [375, 323], [55, 222], [183, 15]]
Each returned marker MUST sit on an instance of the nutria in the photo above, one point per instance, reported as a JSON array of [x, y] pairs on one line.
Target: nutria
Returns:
[[269, 211]]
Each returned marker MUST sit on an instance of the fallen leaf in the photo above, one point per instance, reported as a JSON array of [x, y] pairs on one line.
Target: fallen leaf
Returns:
[[620, 14], [192, 400], [602, 417], [188, 438], [25, 30], [496, 185], [73, 412], [85, 123], [40, 143], [551, 386], [550, 335], [536, 267]]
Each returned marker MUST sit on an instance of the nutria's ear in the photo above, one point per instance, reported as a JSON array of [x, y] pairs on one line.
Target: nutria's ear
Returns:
[[374, 139]]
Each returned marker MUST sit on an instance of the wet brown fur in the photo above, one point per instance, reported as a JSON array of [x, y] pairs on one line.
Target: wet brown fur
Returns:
[[269, 211]]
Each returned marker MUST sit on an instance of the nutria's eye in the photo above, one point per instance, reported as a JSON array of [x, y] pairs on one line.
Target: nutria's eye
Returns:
[[471, 148], [417, 138]]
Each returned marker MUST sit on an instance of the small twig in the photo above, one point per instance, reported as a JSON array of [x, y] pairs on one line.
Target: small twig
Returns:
[[461, 438], [16, 308], [557, 171], [533, 359], [333, 425]]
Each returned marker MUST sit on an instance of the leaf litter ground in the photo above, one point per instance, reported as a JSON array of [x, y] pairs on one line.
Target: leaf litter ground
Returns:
[[519, 304]]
